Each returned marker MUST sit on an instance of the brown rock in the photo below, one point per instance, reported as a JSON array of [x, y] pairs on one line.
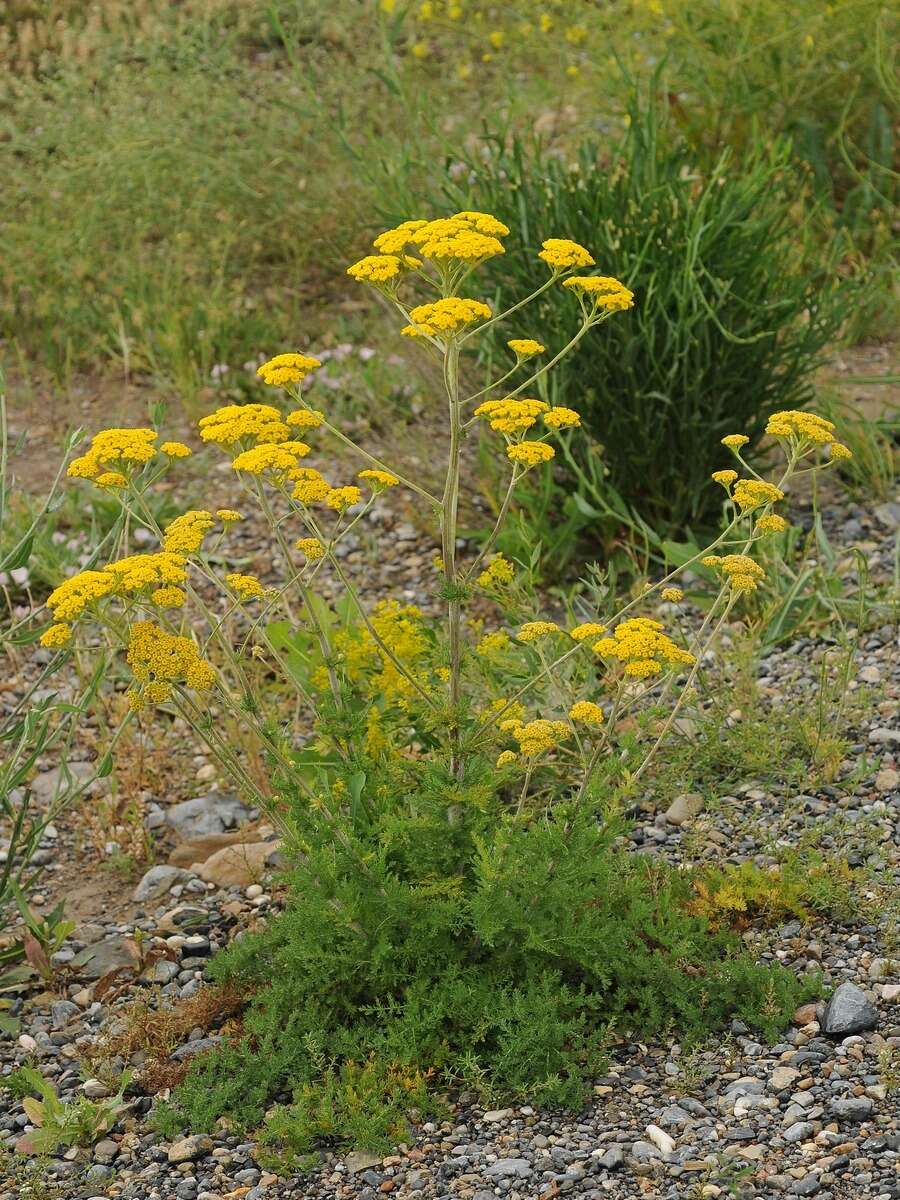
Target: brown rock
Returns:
[[198, 850], [805, 1014], [238, 865]]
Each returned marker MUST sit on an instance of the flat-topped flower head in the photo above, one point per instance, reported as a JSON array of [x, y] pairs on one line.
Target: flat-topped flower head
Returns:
[[287, 368], [839, 450], [725, 478], [229, 516], [311, 548], [74, 595], [642, 647], [168, 597], [305, 418], [493, 644], [393, 241], [277, 459], [753, 493], [562, 254], [540, 736], [342, 498], [511, 416], [56, 635], [452, 239], [587, 712], [245, 587], [672, 594], [158, 660], [562, 418], [378, 480], [260, 423], [111, 479], [137, 572], [443, 318], [176, 449], [530, 454], [740, 571], [603, 291], [771, 523], [525, 347], [185, 534], [309, 486], [379, 269], [734, 441], [802, 426], [586, 630], [118, 448], [532, 630]]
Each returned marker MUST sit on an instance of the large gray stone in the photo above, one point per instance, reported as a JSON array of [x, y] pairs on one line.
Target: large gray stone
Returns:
[[684, 807], [849, 1011], [509, 1168], [158, 881], [213, 813], [853, 1108], [94, 961]]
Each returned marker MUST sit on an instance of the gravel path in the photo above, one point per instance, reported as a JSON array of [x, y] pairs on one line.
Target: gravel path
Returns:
[[817, 1114]]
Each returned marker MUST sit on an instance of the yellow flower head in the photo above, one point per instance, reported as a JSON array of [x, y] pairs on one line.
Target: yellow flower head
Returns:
[[305, 418], [562, 418], [340, 499], [741, 572], [672, 594], [234, 423], [511, 416], [176, 449], [562, 254], [642, 647], [158, 659], [311, 547], [802, 426], [751, 493], [74, 595], [499, 573], [287, 368], [393, 241], [56, 635], [277, 459], [379, 479], [506, 759], [726, 478], [588, 629], [140, 571], [529, 454], [247, 587], [525, 347], [229, 515], [532, 630], [734, 441], [445, 317], [470, 237], [538, 737], [168, 597], [839, 450], [111, 479], [493, 644], [589, 713], [185, 534], [379, 269], [770, 524], [117, 447]]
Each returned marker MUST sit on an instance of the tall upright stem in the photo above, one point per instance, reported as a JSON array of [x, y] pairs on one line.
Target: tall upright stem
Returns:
[[449, 516]]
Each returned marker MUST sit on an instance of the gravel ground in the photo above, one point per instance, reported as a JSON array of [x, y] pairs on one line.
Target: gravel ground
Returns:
[[817, 1114]]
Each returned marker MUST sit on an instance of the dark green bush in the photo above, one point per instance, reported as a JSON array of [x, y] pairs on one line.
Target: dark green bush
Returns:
[[432, 940], [730, 319]]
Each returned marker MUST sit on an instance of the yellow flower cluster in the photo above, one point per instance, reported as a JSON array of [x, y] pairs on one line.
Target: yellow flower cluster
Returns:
[[158, 659], [511, 416], [247, 587], [176, 449], [493, 644], [741, 572], [56, 635], [120, 447], [309, 486], [168, 597], [445, 317], [770, 524], [229, 515], [839, 450], [499, 573], [725, 478], [311, 547], [185, 534], [672, 594], [381, 268], [536, 737], [641, 645], [342, 498], [400, 629], [588, 629], [561, 254], [469, 237], [751, 493], [562, 418], [279, 459], [132, 574], [379, 479], [305, 418], [804, 426], [586, 711], [287, 368], [525, 347], [73, 596], [236, 422], [531, 631], [605, 291], [734, 441], [530, 454]]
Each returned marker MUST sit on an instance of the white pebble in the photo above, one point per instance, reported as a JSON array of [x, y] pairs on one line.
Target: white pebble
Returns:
[[253, 891], [660, 1139]]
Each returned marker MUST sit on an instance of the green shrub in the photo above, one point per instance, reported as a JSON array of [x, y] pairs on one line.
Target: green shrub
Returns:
[[445, 941], [730, 320]]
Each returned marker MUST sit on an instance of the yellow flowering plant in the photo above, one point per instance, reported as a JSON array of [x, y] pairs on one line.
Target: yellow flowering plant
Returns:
[[447, 786]]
